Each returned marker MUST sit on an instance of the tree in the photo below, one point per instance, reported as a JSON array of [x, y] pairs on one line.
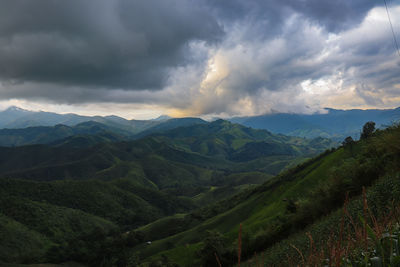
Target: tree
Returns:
[[291, 206], [368, 129], [348, 144], [348, 141], [214, 246]]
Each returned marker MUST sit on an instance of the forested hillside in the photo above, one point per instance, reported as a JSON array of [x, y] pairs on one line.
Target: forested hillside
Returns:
[[303, 197], [81, 190]]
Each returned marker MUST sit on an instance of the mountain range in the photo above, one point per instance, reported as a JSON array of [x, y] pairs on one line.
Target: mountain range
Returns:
[[97, 177], [17, 118], [107, 192], [180, 196], [332, 123], [285, 220]]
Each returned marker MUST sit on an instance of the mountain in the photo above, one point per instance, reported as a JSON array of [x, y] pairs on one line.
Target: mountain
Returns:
[[168, 124], [66, 201], [17, 118], [162, 118], [219, 145], [286, 215], [334, 123], [11, 114], [238, 143], [58, 134]]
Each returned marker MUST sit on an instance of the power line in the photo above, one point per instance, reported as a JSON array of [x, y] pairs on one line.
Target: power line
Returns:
[[391, 27]]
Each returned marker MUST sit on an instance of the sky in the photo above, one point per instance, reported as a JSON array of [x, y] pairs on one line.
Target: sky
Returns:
[[143, 58]]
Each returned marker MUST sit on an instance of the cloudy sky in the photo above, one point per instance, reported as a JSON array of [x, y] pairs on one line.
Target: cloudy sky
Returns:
[[143, 58]]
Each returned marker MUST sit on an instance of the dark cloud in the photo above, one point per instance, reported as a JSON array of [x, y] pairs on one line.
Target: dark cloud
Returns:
[[100, 43], [334, 15], [161, 51], [269, 16]]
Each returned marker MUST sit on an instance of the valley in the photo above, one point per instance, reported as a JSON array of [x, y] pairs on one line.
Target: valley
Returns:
[[74, 193]]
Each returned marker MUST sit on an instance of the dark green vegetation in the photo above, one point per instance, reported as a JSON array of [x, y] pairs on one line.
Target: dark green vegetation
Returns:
[[79, 198], [187, 190], [336, 124], [304, 198], [180, 157]]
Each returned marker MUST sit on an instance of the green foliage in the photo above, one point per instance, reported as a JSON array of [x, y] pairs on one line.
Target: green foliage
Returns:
[[368, 129], [348, 141], [81, 200], [122, 202], [376, 165], [317, 188], [214, 246], [19, 243], [379, 221]]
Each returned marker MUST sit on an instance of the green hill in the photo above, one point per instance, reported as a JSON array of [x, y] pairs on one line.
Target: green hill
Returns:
[[182, 156], [48, 217], [281, 207], [81, 202]]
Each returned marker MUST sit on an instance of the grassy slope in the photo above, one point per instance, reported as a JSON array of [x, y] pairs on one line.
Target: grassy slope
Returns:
[[386, 191], [261, 208], [317, 187], [375, 163]]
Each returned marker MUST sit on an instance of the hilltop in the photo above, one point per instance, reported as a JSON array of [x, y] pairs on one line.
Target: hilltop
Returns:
[[115, 186], [282, 207], [187, 189]]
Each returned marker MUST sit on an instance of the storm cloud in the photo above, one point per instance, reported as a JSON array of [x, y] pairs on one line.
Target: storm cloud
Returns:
[[201, 57], [99, 43]]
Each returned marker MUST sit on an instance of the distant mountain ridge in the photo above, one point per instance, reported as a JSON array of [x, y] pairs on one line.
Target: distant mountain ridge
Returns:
[[335, 123], [14, 118], [17, 118], [58, 133]]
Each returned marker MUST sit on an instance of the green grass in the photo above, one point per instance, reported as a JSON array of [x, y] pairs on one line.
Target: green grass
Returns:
[[258, 211], [64, 193], [263, 208]]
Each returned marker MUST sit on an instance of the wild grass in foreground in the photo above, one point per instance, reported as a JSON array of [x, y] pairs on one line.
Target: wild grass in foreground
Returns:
[[363, 239]]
